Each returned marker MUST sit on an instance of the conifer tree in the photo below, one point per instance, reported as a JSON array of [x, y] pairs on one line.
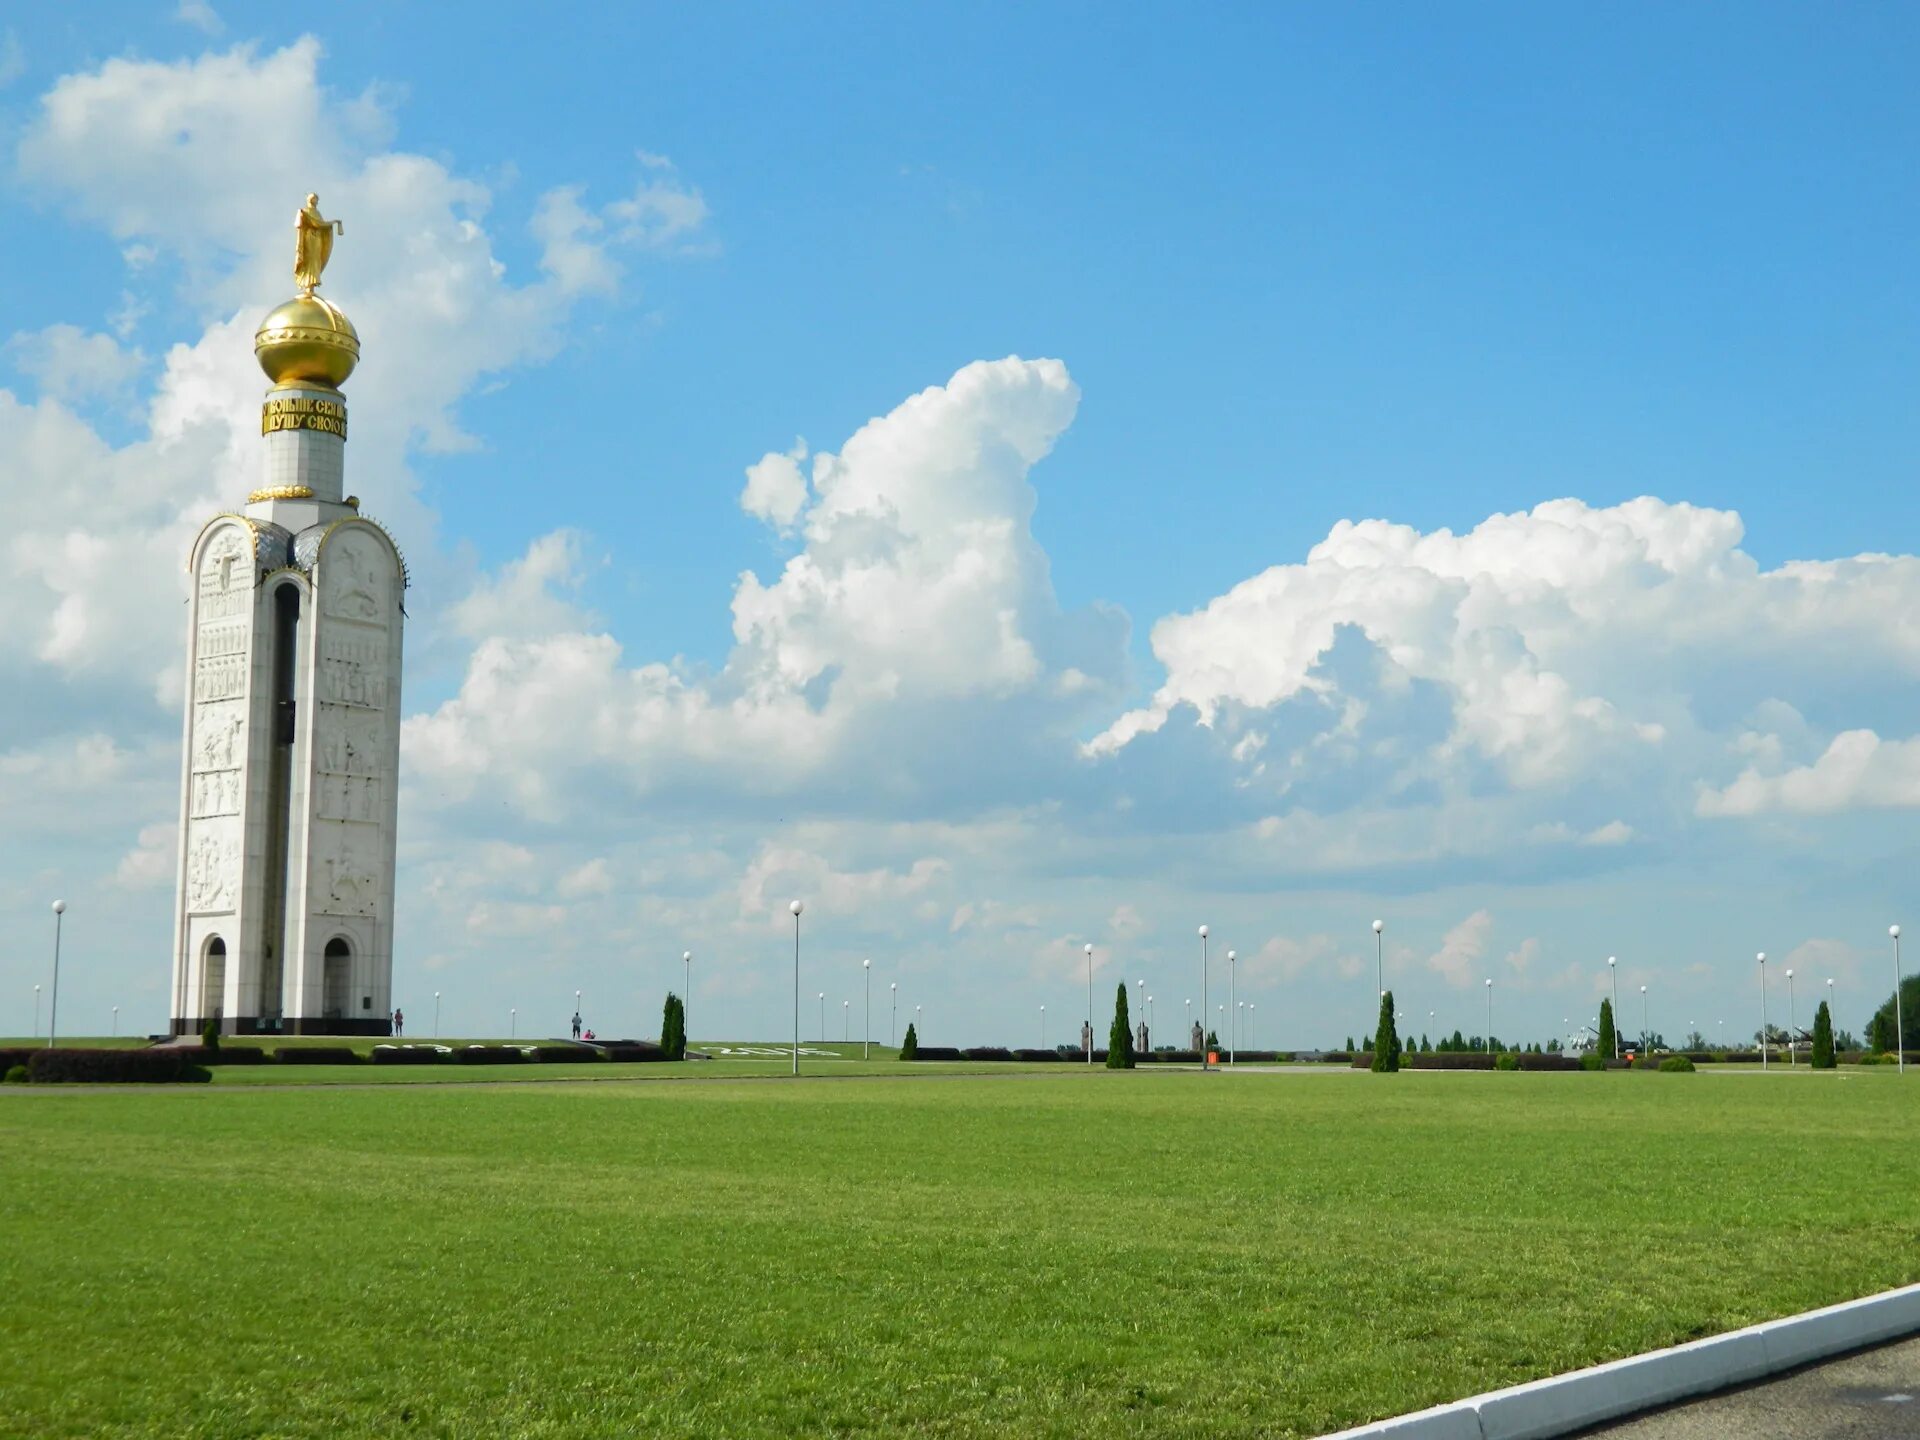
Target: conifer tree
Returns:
[[1120, 1037], [1823, 1056], [1607, 1043], [1386, 1039], [673, 1028], [910, 1047]]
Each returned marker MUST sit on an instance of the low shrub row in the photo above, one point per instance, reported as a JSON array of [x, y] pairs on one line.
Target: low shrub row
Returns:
[[13, 1057], [563, 1054], [412, 1055], [115, 1067], [490, 1055], [937, 1052], [224, 1054], [986, 1052], [634, 1052], [1036, 1056]]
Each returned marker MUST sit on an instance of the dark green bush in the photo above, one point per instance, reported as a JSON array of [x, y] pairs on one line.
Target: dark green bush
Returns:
[[412, 1055], [634, 1052], [910, 1047], [13, 1057], [1506, 1061], [224, 1055], [114, 1067], [1036, 1056], [931, 1052], [1676, 1065], [1548, 1060], [1609, 1044], [1593, 1060], [986, 1052], [16, 1075], [490, 1055], [317, 1055], [1451, 1060], [563, 1054]]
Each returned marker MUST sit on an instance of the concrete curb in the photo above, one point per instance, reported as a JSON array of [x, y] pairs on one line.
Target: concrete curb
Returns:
[[1564, 1404]]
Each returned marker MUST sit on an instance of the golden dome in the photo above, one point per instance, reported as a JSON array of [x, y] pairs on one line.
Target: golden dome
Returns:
[[307, 341]]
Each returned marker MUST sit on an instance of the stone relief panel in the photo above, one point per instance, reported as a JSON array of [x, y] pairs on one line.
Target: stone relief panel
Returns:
[[346, 879], [353, 669], [355, 576], [213, 862]]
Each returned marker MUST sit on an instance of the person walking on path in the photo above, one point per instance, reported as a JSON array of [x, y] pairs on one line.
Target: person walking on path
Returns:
[[576, 1024], [399, 1022]]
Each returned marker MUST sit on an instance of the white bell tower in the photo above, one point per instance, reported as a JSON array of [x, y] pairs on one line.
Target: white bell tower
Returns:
[[284, 916]]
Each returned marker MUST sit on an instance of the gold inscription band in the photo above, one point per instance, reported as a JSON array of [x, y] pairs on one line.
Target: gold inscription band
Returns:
[[281, 492], [303, 412]]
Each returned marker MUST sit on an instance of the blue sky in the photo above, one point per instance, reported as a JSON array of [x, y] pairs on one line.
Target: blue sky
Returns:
[[1300, 267]]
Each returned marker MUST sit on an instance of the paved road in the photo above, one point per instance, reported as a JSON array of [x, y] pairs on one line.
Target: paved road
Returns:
[[1872, 1395]]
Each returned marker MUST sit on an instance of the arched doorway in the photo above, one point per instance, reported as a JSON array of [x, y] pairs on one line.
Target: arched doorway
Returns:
[[213, 979], [336, 979]]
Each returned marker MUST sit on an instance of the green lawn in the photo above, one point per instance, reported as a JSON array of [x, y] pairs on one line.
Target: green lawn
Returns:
[[1051, 1253]]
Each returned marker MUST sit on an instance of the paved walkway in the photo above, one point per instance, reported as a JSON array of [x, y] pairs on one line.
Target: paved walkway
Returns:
[[1872, 1395]]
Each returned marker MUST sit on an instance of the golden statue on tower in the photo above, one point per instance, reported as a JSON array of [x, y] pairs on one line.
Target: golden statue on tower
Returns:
[[313, 245]]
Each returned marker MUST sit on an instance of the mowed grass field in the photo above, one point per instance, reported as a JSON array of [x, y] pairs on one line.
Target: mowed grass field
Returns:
[[1050, 1253]]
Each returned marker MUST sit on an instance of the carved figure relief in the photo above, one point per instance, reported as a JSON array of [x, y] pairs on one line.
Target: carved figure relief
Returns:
[[351, 886], [353, 671], [352, 585], [215, 792], [349, 797], [210, 872], [217, 737], [225, 579]]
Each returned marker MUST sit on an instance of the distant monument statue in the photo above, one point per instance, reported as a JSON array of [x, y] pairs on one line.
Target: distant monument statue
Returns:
[[1199, 1037], [313, 245], [1086, 1037], [1140, 1038]]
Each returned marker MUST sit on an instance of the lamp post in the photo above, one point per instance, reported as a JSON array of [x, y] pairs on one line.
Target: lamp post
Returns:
[[1379, 961], [1646, 1035], [1239, 1019], [686, 959], [1829, 1002], [866, 1034], [1899, 1024], [916, 1022], [436, 1014], [53, 1012], [1089, 949], [794, 910], [1489, 1015], [1189, 1021], [1791, 1046], [1206, 1062], [1043, 1027], [1149, 1020], [1613, 979], [893, 1013], [823, 1017], [1234, 1005], [513, 1023], [846, 1021], [1253, 1028], [1762, 958], [1139, 994], [36, 1012], [116, 1022]]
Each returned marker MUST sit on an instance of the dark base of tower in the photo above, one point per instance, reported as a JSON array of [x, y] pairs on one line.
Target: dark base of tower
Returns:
[[254, 1025]]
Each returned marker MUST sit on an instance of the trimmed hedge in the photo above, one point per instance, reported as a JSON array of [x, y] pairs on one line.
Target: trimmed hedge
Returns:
[[317, 1055], [563, 1054], [11, 1058], [634, 1052], [1032, 1056], [1549, 1062], [115, 1067], [1174, 1057], [937, 1052], [412, 1055], [986, 1052], [491, 1055], [224, 1055]]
